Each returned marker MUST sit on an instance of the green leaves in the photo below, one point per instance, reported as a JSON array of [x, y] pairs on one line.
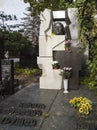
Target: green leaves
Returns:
[[15, 42]]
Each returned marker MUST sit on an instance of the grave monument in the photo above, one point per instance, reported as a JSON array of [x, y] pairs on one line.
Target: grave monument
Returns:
[[7, 74], [55, 28]]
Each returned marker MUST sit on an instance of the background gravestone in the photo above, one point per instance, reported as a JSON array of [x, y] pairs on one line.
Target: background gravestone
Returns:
[[70, 59], [7, 75]]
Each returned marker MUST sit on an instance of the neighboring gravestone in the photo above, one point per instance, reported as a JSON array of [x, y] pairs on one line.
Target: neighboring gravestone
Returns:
[[1, 49], [7, 75]]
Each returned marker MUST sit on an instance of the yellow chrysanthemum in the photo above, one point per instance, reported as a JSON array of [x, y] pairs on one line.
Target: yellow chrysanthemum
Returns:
[[71, 101], [82, 102], [84, 105], [86, 112], [87, 104], [80, 110], [86, 108], [79, 99]]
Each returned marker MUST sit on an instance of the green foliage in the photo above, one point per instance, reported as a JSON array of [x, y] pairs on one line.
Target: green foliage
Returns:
[[14, 42], [27, 72], [16, 64], [36, 7]]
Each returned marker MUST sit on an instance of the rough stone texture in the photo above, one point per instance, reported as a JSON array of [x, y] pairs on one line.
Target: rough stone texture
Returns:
[[72, 13], [61, 114]]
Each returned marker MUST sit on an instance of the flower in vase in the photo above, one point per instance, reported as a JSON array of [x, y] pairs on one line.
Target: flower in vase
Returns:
[[68, 45], [55, 65], [66, 72]]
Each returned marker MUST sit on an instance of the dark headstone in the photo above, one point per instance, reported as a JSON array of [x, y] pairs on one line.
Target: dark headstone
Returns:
[[70, 59], [7, 75], [1, 49]]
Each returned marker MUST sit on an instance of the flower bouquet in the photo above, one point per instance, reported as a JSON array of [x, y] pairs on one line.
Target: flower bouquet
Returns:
[[66, 72], [55, 65], [83, 104], [67, 45]]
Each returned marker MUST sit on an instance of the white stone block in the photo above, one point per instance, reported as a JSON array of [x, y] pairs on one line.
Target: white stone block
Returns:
[[75, 43], [50, 78], [46, 46], [46, 64], [57, 42], [59, 14], [46, 22], [51, 82], [72, 13], [42, 46]]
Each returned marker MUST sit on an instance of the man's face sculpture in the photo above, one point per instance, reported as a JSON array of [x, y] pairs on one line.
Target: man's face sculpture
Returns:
[[58, 28]]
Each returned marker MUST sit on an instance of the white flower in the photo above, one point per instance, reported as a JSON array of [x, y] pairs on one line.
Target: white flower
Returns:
[[61, 70], [67, 68], [70, 68], [64, 68], [55, 62]]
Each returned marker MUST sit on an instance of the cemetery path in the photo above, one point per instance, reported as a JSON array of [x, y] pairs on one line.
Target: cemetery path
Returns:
[[32, 108]]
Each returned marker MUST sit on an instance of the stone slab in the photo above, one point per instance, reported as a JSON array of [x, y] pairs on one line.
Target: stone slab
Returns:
[[61, 114], [30, 94]]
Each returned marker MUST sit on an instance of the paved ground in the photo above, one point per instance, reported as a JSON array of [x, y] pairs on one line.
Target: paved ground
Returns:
[[61, 115]]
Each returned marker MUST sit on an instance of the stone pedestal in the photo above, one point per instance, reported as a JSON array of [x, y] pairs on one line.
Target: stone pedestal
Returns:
[[50, 78]]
